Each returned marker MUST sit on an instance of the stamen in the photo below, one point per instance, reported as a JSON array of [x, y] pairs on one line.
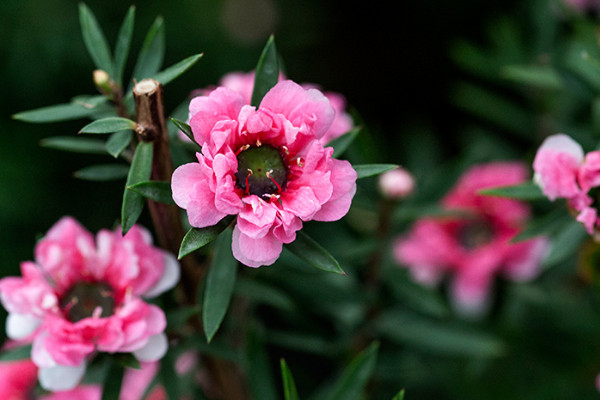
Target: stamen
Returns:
[[299, 162], [258, 143], [268, 174], [243, 148], [285, 150], [247, 190]]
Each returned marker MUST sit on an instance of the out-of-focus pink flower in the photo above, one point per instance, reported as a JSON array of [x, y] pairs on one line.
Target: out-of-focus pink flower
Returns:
[[584, 5], [265, 165], [81, 296], [243, 83], [562, 170], [475, 245], [396, 184], [17, 379]]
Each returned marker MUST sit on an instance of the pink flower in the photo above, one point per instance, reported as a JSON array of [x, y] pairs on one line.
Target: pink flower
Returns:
[[265, 165], [396, 184], [243, 83], [475, 245], [18, 379], [81, 296], [562, 170]]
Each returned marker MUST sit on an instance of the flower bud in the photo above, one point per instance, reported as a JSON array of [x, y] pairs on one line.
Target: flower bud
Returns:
[[396, 184], [102, 81]]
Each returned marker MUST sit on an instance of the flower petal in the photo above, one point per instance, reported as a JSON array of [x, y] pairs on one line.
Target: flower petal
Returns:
[[169, 278], [61, 377], [20, 326], [155, 349]]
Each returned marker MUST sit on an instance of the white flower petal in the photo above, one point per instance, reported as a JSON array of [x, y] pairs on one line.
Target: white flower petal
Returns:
[[19, 326], [169, 278], [564, 144], [154, 350], [61, 377]]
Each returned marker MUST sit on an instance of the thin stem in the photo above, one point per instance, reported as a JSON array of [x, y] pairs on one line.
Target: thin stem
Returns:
[[150, 116]]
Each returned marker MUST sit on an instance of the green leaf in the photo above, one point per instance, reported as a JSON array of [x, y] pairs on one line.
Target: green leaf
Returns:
[[186, 129], [103, 172], [260, 374], [220, 282], [351, 384], [154, 190], [305, 248], [122, 46], [523, 191], [289, 386], [438, 337], [17, 353], [341, 143], [152, 53], [267, 72], [94, 40], [126, 360], [399, 396], [546, 225], [118, 142], [109, 125], [196, 238], [366, 170], [112, 384], [75, 144], [566, 243], [176, 70], [178, 317], [133, 203], [55, 113], [542, 76]]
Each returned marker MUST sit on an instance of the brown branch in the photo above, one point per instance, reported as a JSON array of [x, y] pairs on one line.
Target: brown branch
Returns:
[[150, 117]]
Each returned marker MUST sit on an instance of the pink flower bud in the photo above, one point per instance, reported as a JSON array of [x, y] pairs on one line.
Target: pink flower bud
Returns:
[[396, 184]]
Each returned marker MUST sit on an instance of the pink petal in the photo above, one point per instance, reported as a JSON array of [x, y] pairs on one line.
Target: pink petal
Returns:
[[255, 252]]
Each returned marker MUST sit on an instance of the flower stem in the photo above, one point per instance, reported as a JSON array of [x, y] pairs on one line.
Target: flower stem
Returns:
[[150, 117]]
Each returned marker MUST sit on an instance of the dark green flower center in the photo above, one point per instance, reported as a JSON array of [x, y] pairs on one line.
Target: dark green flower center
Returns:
[[474, 234], [86, 299], [261, 171]]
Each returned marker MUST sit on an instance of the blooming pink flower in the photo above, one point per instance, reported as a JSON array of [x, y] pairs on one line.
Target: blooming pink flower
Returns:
[[243, 83], [475, 245], [396, 184], [562, 170], [265, 165], [81, 296]]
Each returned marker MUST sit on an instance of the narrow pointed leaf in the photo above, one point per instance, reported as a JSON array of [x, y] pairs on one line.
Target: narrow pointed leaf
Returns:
[[133, 203], [17, 353], [351, 384], [289, 386], [109, 125], [186, 129], [118, 142], [122, 46], [176, 70], [154, 190], [94, 40], [523, 191], [196, 238], [267, 72], [151, 55], [366, 170], [75, 144], [310, 251], [261, 377], [112, 384], [399, 396], [54, 113], [220, 282], [103, 172], [341, 143]]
